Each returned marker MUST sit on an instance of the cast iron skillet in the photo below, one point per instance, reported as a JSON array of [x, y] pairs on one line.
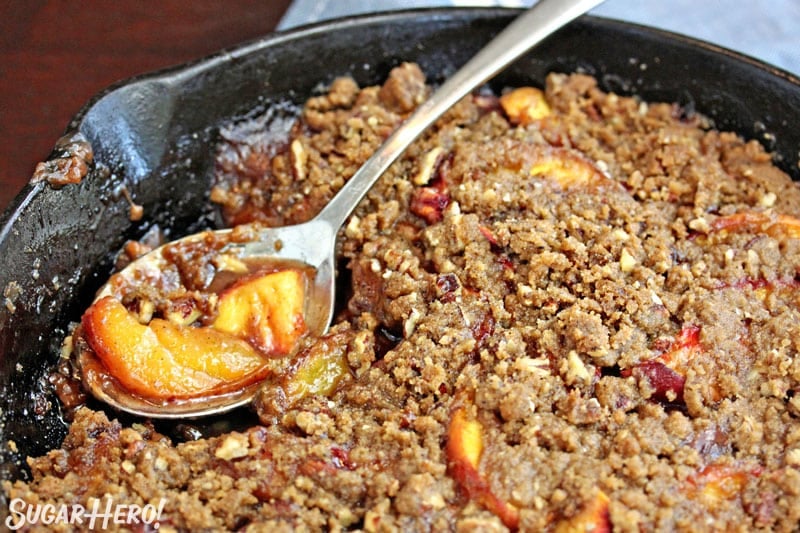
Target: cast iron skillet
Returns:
[[154, 135]]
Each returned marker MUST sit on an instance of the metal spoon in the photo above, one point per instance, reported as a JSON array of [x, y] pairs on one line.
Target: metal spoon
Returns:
[[313, 242]]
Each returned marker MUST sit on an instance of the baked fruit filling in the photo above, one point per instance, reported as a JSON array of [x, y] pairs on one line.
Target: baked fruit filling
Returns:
[[196, 342], [562, 309], [164, 360]]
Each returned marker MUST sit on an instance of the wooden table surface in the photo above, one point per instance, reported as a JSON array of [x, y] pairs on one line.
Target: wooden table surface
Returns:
[[54, 55]]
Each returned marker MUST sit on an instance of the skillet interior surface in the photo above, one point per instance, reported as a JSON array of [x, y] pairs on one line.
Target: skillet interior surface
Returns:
[[154, 136]]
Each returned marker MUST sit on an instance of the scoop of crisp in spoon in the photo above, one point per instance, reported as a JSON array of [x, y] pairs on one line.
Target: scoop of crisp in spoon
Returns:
[[162, 370], [266, 289]]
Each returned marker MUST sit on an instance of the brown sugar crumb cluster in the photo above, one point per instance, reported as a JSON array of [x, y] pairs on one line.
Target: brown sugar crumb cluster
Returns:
[[563, 310]]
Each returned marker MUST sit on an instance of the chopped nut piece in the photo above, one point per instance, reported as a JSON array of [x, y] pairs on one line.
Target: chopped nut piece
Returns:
[[793, 457], [229, 263], [576, 369], [299, 160], [426, 166], [411, 322], [621, 235], [233, 446], [626, 261], [699, 224], [768, 200], [539, 366]]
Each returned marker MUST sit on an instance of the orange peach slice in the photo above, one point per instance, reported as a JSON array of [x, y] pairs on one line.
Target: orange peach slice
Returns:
[[162, 360], [525, 105], [718, 482], [774, 225], [594, 517], [267, 310], [464, 440], [464, 450], [567, 169]]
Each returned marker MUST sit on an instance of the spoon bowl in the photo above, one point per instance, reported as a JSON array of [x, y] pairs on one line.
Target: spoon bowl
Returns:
[[282, 245], [313, 243]]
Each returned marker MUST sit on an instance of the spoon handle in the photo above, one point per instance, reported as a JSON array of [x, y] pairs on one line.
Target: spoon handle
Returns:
[[524, 32]]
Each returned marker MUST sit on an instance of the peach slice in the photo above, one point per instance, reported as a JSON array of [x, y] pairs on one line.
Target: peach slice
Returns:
[[266, 309], [525, 105], [317, 370], [567, 169], [464, 440], [464, 450], [162, 360], [667, 372], [720, 482], [762, 288], [774, 225], [594, 517]]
